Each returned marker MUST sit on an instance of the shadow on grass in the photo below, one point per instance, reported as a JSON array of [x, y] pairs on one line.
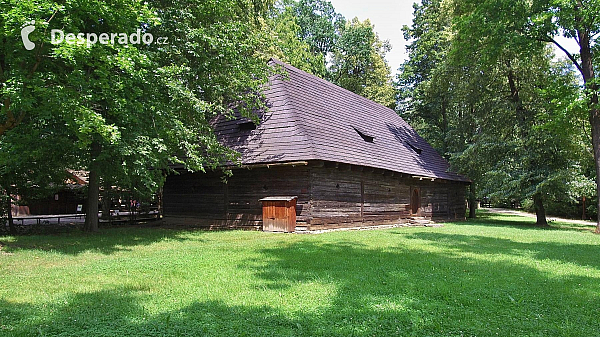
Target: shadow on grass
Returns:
[[583, 255], [107, 241], [376, 292], [415, 290], [521, 222], [120, 312]]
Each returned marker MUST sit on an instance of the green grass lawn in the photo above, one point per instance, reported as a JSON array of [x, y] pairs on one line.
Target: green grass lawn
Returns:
[[493, 276]]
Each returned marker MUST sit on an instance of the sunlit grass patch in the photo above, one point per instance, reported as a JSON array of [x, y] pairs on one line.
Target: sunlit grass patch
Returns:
[[496, 275]]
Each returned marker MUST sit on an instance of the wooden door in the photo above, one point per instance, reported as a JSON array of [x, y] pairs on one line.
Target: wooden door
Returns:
[[279, 215], [415, 201], [280, 220], [275, 217], [269, 217]]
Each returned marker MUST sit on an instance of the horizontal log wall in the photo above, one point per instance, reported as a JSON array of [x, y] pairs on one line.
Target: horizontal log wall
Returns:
[[329, 195], [335, 196], [443, 200], [196, 195], [204, 199], [247, 187], [344, 196]]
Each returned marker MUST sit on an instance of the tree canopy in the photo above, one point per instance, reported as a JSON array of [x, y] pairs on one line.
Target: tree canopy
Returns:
[[347, 53], [132, 86], [483, 85], [128, 110]]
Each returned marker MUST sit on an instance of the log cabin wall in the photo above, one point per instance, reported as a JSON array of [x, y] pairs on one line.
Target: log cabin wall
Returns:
[[247, 187], [62, 202], [443, 200], [329, 195], [195, 196], [348, 196], [204, 200]]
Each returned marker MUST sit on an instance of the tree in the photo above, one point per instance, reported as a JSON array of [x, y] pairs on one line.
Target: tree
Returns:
[[533, 151], [29, 167], [439, 96], [358, 63], [520, 23], [320, 25], [422, 87], [287, 44], [494, 104], [132, 109], [349, 54], [35, 148]]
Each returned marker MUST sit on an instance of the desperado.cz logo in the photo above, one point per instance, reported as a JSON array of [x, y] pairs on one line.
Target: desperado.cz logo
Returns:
[[25, 31], [58, 36]]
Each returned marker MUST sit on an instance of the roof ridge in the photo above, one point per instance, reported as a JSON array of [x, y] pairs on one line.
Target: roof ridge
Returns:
[[330, 84]]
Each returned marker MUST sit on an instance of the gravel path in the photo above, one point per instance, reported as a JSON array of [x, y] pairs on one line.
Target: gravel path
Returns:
[[531, 215]]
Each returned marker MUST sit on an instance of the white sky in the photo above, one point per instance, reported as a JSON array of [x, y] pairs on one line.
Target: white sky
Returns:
[[389, 16]]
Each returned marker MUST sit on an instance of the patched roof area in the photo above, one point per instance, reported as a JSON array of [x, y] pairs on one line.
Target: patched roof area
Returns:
[[312, 119]]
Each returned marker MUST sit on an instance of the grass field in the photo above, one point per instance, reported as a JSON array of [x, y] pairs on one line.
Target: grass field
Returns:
[[496, 276]]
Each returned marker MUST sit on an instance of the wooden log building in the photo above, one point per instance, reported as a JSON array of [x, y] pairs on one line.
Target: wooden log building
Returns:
[[348, 160], [65, 200]]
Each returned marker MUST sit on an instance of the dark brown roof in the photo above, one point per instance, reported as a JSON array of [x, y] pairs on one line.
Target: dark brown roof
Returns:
[[312, 119]]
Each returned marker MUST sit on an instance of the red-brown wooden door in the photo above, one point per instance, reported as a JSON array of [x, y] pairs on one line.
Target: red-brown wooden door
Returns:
[[279, 215]]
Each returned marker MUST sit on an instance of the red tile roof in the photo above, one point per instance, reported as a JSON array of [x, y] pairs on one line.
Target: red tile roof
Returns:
[[312, 119]]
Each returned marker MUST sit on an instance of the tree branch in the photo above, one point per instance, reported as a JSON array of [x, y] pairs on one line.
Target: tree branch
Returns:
[[38, 55], [569, 55], [50, 19], [11, 121], [1, 71]]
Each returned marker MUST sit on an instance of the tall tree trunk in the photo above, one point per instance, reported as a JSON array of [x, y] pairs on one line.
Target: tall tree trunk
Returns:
[[91, 218], [595, 121], [11, 223], [106, 202], [472, 202], [587, 70], [540, 211], [515, 97], [444, 126]]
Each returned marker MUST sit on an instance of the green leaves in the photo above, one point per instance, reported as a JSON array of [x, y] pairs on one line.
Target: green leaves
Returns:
[[288, 46], [481, 85], [145, 105], [310, 35], [319, 24], [358, 63]]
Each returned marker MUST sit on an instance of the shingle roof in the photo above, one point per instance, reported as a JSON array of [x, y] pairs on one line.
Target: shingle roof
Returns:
[[312, 119]]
